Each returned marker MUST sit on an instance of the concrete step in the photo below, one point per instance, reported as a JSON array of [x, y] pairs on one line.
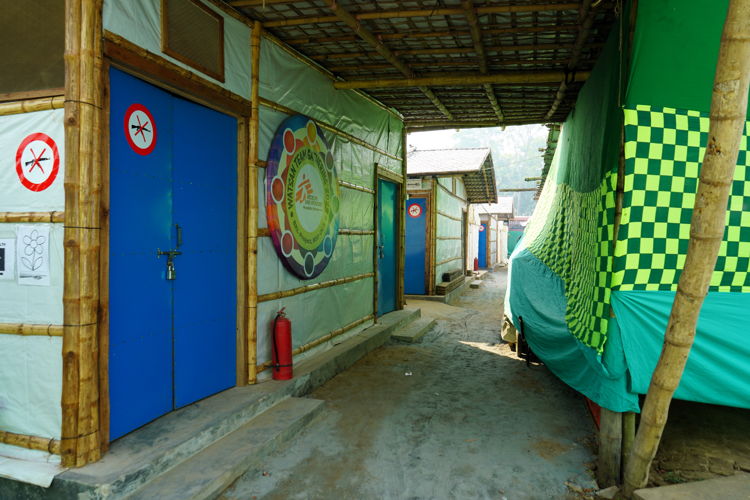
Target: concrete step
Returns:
[[208, 473], [414, 331], [475, 284], [735, 487], [146, 453]]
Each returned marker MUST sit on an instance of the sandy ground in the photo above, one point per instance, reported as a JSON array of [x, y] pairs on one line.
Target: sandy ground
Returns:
[[456, 416]]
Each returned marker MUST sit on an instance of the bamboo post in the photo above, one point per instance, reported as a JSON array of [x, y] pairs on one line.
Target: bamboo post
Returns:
[[252, 213], [402, 226], [610, 443], [728, 112], [433, 237], [628, 435], [243, 210], [83, 102]]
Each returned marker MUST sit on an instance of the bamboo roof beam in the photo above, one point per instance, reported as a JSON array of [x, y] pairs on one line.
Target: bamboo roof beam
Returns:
[[586, 17], [517, 77], [385, 52], [391, 14], [476, 37], [450, 50], [384, 35], [258, 3]]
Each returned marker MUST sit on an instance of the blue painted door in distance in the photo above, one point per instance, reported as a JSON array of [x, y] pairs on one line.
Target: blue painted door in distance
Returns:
[[416, 246]]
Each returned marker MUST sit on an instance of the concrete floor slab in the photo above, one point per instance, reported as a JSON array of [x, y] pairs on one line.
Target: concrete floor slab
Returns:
[[456, 416], [735, 487]]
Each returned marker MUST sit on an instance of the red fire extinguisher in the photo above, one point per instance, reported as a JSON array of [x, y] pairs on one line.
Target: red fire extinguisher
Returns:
[[282, 347], [476, 263]]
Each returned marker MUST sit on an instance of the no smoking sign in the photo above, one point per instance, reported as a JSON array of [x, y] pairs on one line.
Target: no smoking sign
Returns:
[[37, 162], [140, 129], [414, 210]]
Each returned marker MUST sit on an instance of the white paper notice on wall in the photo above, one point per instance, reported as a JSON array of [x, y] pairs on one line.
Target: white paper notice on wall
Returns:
[[32, 162], [32, 255], [7, 259]]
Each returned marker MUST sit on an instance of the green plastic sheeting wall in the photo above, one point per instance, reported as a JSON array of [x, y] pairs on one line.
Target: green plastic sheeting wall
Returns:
[[288, 81], [447, 227]]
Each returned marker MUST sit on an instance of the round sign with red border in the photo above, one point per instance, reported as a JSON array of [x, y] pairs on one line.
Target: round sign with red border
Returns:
[[302, 197], [414, 210], [482, 228], [37, 161], [140, 129]]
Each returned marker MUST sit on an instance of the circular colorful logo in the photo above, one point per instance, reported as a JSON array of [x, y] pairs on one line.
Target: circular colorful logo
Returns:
[[302, 197], [37, 161]]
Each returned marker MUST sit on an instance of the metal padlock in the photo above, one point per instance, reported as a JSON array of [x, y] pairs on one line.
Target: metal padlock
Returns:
[[170, 270]]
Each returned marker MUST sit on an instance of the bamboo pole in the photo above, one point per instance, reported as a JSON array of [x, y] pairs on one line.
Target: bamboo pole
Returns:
[[330, 128], [448, 216], [506, 78], [309, 288], [83, 104], [447, 261], [356, 187], [400, 301], [727, 120], [243, 242], [32, 216], [433, 237], [628, 436], [252, 222], [31, 442], [31, 329], [356, 232], [321, 340], [31, 105], [463, 50]]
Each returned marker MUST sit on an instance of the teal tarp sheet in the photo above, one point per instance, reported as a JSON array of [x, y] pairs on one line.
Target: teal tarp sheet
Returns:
[[720, 354], [601, 378]]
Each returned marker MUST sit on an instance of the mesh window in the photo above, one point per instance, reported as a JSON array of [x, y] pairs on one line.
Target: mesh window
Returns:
[[32, 42], [194, 34]]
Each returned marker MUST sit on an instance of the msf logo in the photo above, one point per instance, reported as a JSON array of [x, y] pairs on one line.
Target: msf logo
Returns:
[[303, 190]]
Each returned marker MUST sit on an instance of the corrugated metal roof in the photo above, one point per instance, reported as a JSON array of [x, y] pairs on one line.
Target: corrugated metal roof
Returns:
[[445, 161]]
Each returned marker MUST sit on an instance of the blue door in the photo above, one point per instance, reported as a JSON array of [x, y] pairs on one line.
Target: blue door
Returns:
[[173, 187], [483, 246], [387, 210], [416, 246]]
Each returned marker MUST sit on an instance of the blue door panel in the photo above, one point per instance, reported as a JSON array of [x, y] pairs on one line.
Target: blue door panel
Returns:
[[205, 206], [140, 297], [387, 210], [171, 342], [483, 246], [416, 245]]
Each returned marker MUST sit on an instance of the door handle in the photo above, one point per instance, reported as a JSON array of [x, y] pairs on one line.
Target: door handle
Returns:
[[381, 253]]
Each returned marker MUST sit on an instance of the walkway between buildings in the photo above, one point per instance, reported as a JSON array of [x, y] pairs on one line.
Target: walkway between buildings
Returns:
[[455, 416]]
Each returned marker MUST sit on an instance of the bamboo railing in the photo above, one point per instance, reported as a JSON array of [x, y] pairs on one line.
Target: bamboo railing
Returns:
[[32, 217], [31, 329], [31, 105], [31, 442]]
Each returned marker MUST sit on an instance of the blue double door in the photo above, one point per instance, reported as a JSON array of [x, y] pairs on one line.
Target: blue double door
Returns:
[[416, 246], [482, 250], [173, 187]]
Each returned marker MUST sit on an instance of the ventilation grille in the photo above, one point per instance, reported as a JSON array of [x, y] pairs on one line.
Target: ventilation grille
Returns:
[[194, 34], [32, 37]]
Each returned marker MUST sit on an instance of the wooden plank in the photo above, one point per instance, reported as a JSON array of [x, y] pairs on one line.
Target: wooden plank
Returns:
[[610, 448]]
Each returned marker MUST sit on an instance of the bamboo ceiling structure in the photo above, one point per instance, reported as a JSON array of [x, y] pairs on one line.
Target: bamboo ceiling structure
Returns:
[[449, 63]]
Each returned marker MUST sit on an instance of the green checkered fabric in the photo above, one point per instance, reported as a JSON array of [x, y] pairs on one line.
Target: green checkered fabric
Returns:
[[664, 149], [571, 233]]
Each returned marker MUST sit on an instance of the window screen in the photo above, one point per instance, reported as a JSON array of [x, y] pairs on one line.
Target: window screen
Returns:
[[32, 43], [194, 34]]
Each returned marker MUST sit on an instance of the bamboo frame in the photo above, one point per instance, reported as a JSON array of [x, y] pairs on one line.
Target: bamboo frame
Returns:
[[389, 175], [157, 70], [31, 329], [447, 261], [28, 95], [321, 340], [31, 105], [243, 242], [449, 216], [252, 220], [326, 126], [49, 445], [401, 262], [83, 140], [32, 217], [266, 297], [433, 241], [448, 238], [356, 187], [463, 200], [357, 232]]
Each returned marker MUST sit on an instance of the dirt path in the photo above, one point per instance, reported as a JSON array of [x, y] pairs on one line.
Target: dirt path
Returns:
[[456, 416]]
